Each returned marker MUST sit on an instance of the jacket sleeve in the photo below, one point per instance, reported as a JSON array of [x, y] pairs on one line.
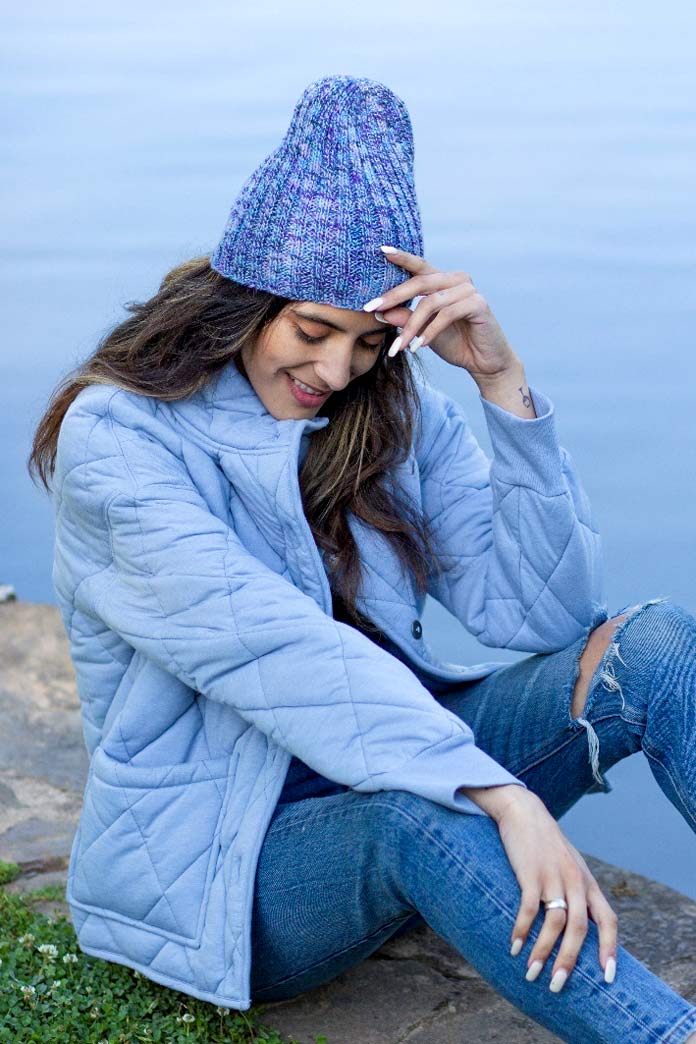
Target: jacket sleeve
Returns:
[[179, 586], [521, 555]]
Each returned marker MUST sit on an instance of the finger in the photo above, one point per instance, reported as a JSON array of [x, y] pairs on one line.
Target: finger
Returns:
[[573, 937], [420, 329], [470, 307], [608, 928], [412, 262], [528, 910], [414, 287], [554, 923]]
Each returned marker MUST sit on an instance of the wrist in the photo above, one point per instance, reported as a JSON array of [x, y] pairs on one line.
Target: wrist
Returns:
[[495, 801], [509, 390], [511, 373]]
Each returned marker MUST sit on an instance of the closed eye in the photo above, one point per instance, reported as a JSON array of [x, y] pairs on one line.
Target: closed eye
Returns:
[[315, 340]]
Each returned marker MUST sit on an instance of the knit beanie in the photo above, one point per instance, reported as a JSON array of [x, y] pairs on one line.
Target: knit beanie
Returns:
[[309, 222]]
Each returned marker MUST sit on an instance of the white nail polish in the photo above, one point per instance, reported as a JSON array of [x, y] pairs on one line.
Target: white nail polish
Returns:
[[558, 980], [395, 347], [610, 970], [516, 947], [534, 971], [389, 249], [380, 318], [374, 303], [416, 343]]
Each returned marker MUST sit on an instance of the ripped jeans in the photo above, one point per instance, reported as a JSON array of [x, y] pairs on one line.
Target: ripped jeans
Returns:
[[339, 875]]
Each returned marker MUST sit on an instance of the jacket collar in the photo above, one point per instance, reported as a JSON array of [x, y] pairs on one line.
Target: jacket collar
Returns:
[[228, 414]]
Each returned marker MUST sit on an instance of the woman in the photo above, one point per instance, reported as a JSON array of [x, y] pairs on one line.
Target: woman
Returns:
[[255, 489]]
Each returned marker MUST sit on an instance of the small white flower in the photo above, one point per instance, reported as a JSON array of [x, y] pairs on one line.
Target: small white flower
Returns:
[[94, 1013], [25, 940], [48, 950], [222, 1011], [69, 958], [56, 983], [188, 1017], [28, 991]]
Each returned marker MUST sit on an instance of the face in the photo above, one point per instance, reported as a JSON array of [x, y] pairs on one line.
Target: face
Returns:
[[316, 345]]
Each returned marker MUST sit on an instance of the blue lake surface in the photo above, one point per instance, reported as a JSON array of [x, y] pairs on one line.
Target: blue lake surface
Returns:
[[555, 162]]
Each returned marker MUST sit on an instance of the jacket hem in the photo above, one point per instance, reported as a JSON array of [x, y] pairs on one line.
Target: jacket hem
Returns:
[[239, 1004]]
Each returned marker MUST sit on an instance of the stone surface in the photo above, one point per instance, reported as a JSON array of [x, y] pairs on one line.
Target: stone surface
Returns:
[[415, 988]]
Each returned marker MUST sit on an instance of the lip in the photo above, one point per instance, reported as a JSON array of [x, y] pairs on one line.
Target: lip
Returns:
[[303, 397]]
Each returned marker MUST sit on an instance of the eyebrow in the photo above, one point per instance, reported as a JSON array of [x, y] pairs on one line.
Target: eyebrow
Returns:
[[335, 326]]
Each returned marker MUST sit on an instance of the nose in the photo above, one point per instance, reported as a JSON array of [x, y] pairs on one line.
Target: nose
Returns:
[[333, 368]]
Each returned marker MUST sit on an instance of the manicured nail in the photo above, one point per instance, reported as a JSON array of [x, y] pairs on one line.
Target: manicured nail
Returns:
[[558, 980], [534, 971], [610, 970], [389, 249], [380, 318], [375, 303], [516, 947], [416, 343], [394, 348]]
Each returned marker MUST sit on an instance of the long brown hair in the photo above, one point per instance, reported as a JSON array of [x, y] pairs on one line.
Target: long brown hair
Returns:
[[197, 323]]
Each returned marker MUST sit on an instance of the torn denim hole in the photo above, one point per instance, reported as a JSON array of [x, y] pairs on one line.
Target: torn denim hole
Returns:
[[606, 674]]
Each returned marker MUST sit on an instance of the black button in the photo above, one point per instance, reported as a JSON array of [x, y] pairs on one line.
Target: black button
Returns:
[[417, 629]]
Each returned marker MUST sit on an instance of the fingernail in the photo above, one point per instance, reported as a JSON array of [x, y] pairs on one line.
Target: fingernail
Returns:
[[558, 980], [389, 249], [374, 303], [395, 347], [516, 947], [416, 343], [380, 318], [610, 970], [534, 971]]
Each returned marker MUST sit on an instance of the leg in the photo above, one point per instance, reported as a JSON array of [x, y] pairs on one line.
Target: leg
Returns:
[[627, 685], [338, 875]]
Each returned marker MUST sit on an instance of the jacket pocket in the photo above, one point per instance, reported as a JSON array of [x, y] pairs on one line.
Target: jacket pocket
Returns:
[[148, 843]]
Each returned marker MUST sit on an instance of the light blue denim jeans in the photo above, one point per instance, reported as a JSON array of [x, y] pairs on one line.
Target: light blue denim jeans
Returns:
[[339, 875]]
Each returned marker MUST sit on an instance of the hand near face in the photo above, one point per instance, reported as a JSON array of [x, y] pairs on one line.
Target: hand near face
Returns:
[[452, 318]]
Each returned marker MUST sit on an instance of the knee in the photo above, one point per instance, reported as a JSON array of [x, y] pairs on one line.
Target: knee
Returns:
[[661, 623], [596, 646]]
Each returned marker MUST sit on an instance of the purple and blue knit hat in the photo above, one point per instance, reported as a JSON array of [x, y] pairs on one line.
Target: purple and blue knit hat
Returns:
[[309, 222]]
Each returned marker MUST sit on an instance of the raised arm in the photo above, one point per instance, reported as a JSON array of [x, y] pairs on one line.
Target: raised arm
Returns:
[[522, 555]]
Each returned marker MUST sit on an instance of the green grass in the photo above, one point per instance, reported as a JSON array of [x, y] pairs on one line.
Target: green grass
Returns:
[[50, 991]]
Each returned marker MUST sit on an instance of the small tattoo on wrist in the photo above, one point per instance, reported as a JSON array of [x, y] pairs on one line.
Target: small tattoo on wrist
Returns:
[[525, 398]]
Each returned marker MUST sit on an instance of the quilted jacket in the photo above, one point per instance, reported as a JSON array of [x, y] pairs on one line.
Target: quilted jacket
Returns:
[[198, 612]]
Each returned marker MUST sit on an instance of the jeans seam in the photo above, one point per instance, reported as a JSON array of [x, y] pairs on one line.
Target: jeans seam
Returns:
[[654, 757], [689, 1019], [540, 758], [336, 953]]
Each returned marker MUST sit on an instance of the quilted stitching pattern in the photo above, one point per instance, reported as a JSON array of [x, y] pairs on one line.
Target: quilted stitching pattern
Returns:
[[191, 644]]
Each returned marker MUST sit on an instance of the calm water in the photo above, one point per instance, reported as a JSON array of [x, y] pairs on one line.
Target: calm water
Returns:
[[555, 161]]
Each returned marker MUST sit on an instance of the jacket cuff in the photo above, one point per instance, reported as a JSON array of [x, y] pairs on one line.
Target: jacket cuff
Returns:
[[438, 772], [526, 450]]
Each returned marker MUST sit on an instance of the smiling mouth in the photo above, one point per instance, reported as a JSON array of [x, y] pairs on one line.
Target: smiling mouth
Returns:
[[307, 387]]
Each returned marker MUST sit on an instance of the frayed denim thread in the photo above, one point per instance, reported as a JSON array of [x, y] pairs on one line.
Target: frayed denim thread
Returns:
[[605, 674]]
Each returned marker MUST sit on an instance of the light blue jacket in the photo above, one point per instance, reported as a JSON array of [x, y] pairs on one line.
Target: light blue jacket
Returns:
[[199, 617]]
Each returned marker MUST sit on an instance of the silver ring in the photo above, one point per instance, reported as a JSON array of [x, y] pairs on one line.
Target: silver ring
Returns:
[[555, 904]]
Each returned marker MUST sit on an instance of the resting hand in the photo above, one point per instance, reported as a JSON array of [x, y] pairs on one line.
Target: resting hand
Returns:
[[547, 866]]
